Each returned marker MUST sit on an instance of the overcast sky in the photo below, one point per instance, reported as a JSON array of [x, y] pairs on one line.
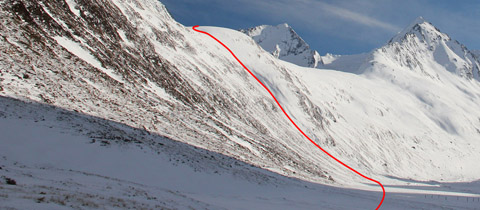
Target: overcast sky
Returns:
[[336, 26]]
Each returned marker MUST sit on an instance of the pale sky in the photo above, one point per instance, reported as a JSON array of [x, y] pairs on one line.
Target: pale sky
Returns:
[[336, 26]]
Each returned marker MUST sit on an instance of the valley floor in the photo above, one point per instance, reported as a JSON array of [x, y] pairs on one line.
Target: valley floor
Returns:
[[61, 160]]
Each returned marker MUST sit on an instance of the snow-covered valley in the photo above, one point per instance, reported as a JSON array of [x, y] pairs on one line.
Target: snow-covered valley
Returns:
[[114, 104], [66, 160]]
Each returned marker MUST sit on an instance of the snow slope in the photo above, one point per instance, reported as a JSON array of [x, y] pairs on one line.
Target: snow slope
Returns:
[[420, 127], [129, 62], [66, 161], [345, 63]]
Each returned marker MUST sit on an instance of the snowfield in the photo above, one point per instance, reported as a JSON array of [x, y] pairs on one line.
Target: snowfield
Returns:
[[113, 104], [64, 161]]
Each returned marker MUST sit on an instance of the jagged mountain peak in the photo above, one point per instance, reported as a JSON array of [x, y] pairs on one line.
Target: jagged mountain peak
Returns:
[[423, 48], [284, 43], [255, 31]]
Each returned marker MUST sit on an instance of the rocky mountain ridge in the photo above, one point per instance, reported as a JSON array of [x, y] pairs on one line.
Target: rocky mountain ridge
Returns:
[[422, 44], [285, 44]]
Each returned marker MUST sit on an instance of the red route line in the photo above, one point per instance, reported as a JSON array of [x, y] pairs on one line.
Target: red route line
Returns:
[[296, 126]]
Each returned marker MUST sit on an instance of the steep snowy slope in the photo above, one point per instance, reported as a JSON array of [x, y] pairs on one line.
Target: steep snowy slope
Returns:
[[375, 123], [130, 62], [284, 43]]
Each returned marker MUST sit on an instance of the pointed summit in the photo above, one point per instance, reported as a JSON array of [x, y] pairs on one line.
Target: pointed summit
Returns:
[[423, 48], [284, 43], [284, 25], [419, 20]]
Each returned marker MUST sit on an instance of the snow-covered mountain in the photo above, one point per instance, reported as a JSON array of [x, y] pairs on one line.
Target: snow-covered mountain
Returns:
[[129, 71], [284, 43], [424, 49], [139, 67]]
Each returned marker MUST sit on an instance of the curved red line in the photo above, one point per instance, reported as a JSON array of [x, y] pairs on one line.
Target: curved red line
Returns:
[[296, 126]]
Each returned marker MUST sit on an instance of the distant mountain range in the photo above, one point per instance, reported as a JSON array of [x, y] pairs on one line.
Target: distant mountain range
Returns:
[[420, 40]]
